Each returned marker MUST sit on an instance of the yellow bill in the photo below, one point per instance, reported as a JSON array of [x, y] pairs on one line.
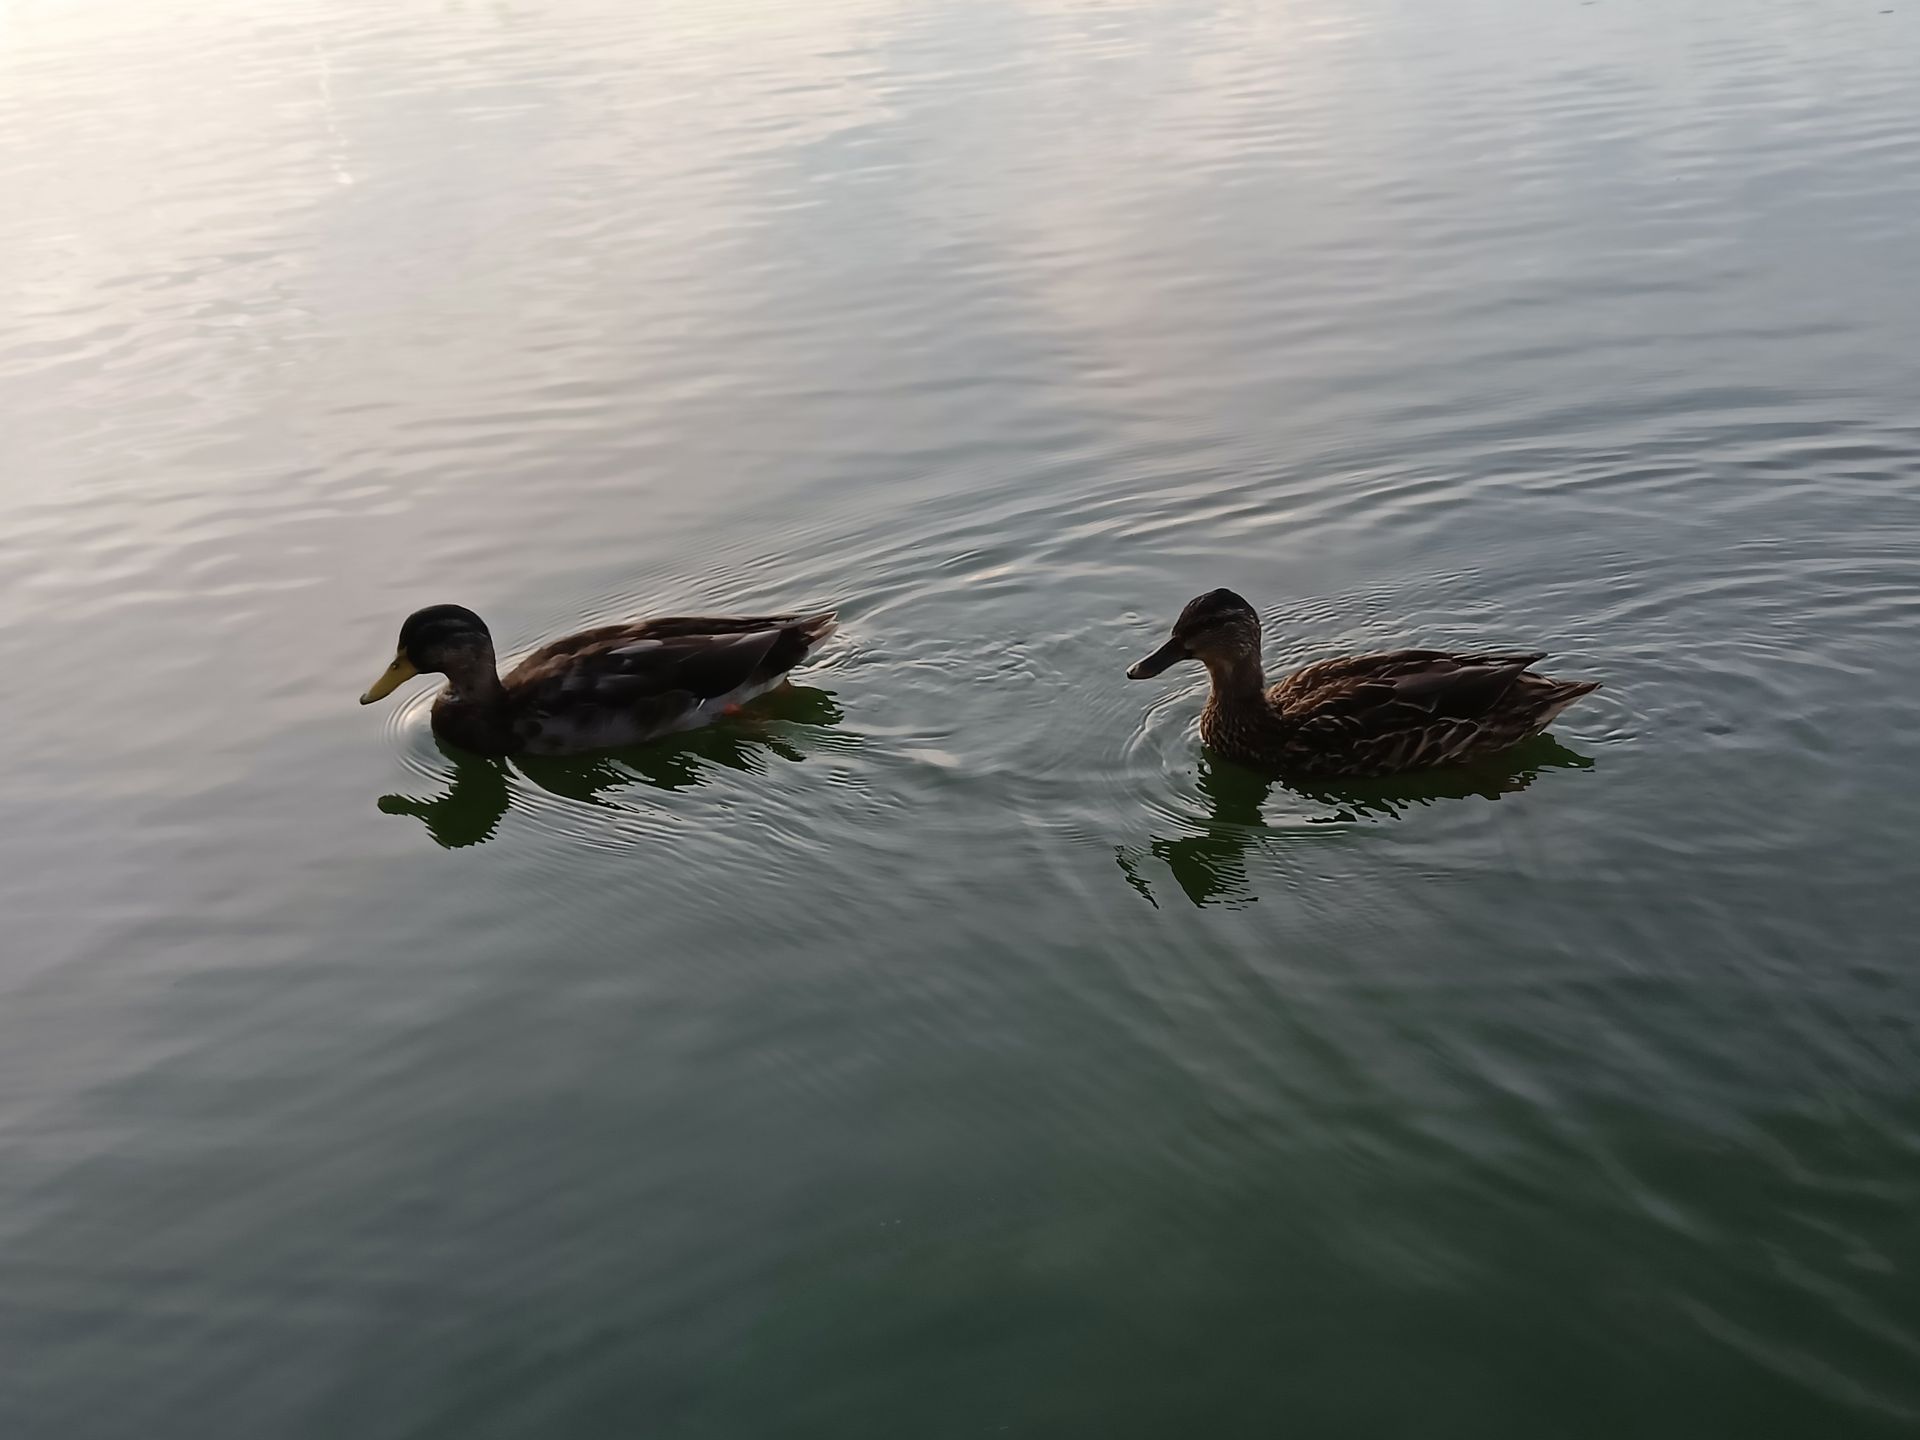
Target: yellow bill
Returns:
[[396, 675]]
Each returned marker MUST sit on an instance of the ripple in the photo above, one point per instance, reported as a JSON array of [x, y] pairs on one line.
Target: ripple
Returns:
[[957, 991]]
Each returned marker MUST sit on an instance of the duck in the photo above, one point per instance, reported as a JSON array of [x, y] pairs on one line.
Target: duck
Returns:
[[1359, 715], [599, 689]]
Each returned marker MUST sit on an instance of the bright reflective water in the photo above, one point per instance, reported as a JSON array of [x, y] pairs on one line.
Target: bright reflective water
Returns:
[[953, 1048]]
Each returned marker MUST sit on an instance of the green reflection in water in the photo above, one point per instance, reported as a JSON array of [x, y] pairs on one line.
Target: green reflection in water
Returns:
[[1210, 866], [479, 789]]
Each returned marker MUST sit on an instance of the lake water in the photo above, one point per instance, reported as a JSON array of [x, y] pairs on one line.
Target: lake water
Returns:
[[953, 1048]]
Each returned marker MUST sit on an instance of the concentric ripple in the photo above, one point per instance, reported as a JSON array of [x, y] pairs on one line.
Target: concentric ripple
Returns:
[[950, 1046]]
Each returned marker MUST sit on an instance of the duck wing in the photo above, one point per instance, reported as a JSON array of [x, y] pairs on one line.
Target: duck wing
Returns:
[[1416, 676], [669, 627], [622, 684], [1405, 709]]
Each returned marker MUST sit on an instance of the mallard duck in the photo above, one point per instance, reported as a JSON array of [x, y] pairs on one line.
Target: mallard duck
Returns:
[[598, 689], [1362, 714]]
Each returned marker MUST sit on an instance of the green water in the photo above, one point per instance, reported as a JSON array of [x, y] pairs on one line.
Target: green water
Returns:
[[953, 1048]]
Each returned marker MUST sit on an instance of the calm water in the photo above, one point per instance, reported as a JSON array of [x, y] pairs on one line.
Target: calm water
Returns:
[[954, 1049]]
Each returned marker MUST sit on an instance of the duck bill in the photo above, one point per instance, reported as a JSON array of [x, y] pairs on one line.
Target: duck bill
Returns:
[[1167, 656], [396, 675]]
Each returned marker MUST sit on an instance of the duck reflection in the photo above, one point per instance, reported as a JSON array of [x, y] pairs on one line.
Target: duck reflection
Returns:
[[1210, 866], [480, 788]]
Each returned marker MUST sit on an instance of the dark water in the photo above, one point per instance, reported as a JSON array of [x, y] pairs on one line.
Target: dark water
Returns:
[[954, 1049]]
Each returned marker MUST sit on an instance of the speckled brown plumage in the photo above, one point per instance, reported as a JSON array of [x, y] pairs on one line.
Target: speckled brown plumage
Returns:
[[1376, 714]]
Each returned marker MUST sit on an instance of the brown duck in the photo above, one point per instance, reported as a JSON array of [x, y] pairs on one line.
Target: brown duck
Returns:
[[1362, 714], [598, 689]]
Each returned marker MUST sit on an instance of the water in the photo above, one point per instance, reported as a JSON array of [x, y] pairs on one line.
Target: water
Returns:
[[954, 1049]]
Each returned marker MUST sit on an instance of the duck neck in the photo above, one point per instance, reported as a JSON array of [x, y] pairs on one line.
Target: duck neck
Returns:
[[1238, 678], [475, 681]]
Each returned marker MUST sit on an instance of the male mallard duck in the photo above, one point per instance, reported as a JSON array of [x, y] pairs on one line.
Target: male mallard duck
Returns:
[[612, 686], [1361, 715]]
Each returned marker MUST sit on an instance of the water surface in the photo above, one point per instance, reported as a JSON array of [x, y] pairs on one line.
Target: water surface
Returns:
[[954, 1048]]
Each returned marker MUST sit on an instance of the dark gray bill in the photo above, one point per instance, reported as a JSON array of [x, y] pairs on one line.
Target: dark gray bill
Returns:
[[1171, 653]]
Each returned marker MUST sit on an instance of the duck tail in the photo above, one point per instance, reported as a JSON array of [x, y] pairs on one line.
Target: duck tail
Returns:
[[1559, 696], [818, 627]]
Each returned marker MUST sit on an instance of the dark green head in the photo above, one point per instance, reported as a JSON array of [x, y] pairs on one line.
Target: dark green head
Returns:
[[1218, 625], [439, 640]]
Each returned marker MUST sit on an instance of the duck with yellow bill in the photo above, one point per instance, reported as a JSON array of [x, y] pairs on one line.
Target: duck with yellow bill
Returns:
[[598, 689]]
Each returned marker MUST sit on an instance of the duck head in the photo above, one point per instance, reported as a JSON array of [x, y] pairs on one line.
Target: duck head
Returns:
[[1219, 629], [445, 640]]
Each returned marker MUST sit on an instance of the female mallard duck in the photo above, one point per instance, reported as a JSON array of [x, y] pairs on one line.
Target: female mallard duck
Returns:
[[599, 689], [1360, 715]]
